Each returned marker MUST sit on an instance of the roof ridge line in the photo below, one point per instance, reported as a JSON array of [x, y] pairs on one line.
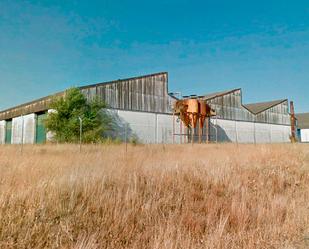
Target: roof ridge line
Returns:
[[265, 101], [124, 79], [80, 87], [274, 103]]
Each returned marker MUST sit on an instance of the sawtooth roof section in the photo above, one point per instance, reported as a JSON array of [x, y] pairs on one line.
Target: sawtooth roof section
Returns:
[[302, 120], [218, 94], [122, 80], [43, 104], [257, 108]]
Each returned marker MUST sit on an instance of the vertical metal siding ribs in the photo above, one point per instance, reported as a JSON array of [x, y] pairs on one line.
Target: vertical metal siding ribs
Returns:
[[140, 94]]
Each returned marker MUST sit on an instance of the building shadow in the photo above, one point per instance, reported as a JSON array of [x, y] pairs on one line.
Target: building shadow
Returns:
[[216, 134], [119, 129]]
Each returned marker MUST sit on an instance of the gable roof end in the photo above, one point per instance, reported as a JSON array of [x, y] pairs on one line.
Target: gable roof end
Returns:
[[218, 94], [302, 120], [257, 108]]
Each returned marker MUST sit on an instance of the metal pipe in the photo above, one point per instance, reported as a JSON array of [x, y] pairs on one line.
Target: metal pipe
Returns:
[[207, 130], [216, 129], [179, 134], [180, 130], [177, 93]]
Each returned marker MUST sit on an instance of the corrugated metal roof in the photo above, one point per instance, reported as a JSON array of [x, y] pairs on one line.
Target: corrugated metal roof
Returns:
[[302, 120], [217, 94], [262, 106]]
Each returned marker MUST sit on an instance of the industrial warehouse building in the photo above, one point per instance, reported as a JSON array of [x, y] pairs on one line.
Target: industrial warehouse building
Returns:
[[303, 127], [142, 107]]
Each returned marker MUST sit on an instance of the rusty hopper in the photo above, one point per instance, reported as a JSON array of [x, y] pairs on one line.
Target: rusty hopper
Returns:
[[192, 110]]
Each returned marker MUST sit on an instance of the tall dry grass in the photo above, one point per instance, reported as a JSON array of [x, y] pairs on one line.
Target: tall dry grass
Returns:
[[205, 196]]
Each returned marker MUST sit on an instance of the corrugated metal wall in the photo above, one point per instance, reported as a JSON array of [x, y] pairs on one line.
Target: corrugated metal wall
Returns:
[[278, 114], [229, 106], [147, 93]]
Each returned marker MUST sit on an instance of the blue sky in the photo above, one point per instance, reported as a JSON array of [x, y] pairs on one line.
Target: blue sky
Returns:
[[206, 46]]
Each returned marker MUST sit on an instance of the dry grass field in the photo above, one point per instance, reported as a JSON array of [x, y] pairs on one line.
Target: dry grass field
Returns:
[[181, 196]]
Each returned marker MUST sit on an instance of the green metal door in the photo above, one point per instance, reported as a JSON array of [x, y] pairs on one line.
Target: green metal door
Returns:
[[8, 131], [40, 129]]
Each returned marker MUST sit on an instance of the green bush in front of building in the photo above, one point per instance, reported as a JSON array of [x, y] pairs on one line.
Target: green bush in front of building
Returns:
[[64, 120]]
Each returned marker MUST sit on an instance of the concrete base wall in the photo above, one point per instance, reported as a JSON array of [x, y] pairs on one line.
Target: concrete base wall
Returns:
[[23, 128], [280, 133], [16, 130], [29, 129], [158, 128], [2, 132], [249, 132], [165, 129], [145, 127], [304, 135]]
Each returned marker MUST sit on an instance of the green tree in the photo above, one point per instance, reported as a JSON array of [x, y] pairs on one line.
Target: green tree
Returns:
[[63, 122]]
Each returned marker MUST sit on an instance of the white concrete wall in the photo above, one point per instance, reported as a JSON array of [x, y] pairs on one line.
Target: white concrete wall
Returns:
[[165, 129], [2, 132], [263, 133], [280, 133], [249, 132], [304, 135], [226, 130], [16, 130], [147, 127], [245, 132], [140, 124], [29, 129], [158, 128]]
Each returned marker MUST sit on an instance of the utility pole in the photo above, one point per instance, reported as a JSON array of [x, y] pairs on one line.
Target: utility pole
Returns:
[[80, 133], [292, 114], [216, 129]]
